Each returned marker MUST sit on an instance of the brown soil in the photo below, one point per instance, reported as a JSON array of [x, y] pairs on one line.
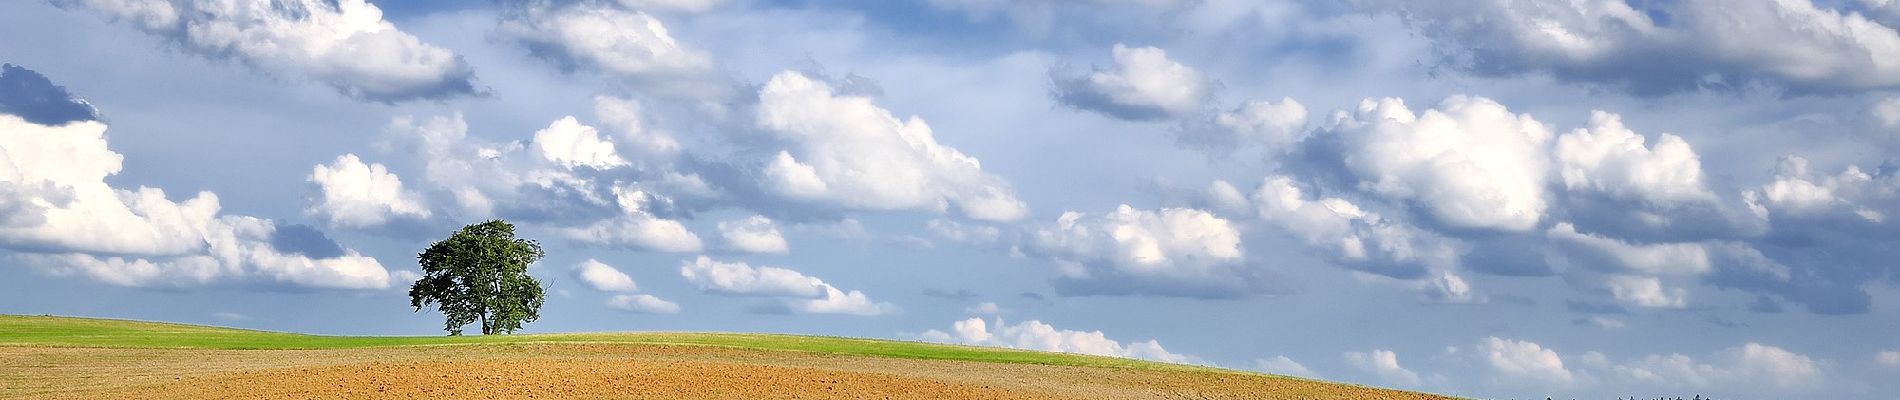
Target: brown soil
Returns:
[[603, 371]]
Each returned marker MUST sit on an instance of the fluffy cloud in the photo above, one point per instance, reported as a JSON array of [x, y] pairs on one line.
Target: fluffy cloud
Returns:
[[643, 303], [565, 170], [1226, 200], [644, 142], [58, 213], [755, 234], [1798, 193], [1283, 366], [1469, 163], [1823, 229], [1619, 216], [1794, 44], [1888, 358], [603, 277], [1142, 85], [1384, 364], [610, 39], [248, 259], [345, 44], [801, 293], [561, 176], [1646, 291], [739, 279], [1524, 359], [1749, 368], [568, 143], [838, 301], [1606, 157], [357, 195], [1352, 236], [636, 227], [1446, 287], [1591, 251], [1170, 252], [847, 151], [1036, 335], [1615, 183], [1270, 127], [489, 179], [1749, 365], [606, 278], [1639, 274], [1887, 111]]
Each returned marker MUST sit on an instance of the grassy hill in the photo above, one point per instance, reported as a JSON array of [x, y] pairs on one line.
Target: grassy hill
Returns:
[[95, 347]]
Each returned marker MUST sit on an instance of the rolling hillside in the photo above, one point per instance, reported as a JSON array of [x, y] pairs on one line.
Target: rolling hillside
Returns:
[[63, 357]]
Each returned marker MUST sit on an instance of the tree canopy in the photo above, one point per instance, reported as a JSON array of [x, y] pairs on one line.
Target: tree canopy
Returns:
[[480, 274]]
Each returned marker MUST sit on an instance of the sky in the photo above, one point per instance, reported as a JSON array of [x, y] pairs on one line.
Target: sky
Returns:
[[1494, 198]]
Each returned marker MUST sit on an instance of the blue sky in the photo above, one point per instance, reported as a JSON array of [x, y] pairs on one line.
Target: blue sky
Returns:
[[1501, 198]]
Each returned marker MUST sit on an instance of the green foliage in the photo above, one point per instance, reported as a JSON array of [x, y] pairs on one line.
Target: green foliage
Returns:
[[480, 274]]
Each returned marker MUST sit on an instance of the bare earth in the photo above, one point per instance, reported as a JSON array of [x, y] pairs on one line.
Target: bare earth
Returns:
[[603, 371]]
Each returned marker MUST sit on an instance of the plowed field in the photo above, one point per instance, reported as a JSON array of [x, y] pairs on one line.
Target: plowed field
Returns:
[[567, 367]]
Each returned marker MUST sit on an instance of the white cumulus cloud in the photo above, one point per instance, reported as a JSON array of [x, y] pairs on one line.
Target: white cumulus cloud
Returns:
[[1646, 291], [1887, 111], [1270, 127], [1525, 360], [568, 143], [643, 303], [1749, 365], [1143, 84], [754, 234], [1469, 162], [487, 178], [1352, 236], [58, 213], [1036, 335], [1609, 158], [799, 292], [1384, 364], [358, 195], [1794, 44], [345, 44], [603, 277], [842, 302], [1569, 247], [1171, 251], [1798, 193], [847, 151], [610, 39], [738, 278], [636, 227]]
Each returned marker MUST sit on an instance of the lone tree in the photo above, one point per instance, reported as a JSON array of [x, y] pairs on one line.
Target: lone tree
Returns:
[[480, 274]]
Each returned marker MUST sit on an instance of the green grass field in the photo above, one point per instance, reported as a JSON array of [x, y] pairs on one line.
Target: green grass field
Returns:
[[21, 330]]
